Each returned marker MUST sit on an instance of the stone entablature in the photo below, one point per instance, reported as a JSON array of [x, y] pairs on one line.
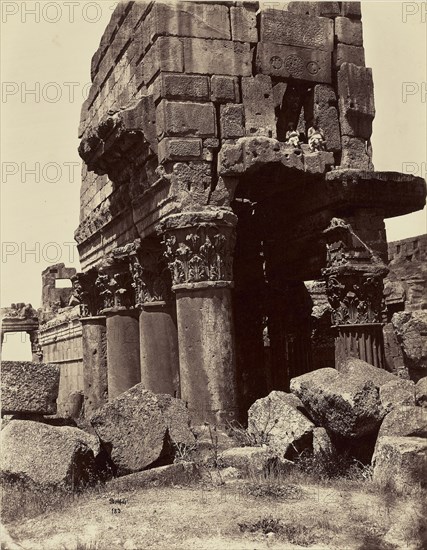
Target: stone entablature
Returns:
[[201, 94]]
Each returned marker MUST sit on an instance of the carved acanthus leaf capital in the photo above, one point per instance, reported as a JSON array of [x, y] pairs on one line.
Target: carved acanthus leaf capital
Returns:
[[202, 253]]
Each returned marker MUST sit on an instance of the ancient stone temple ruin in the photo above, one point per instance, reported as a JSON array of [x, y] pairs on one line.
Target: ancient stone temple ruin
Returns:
[[227, 160]]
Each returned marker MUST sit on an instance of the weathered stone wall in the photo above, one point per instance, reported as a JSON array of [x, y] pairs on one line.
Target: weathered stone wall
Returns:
[[406, 285], [198, 88], [61, 341]]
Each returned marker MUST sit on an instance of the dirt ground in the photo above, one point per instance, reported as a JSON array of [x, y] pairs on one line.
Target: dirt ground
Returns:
[[341, 517]]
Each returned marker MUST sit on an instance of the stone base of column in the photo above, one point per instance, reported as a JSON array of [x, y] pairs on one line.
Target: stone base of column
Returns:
[[362, 341], [159, 349], [94, 339], [206, 351], [123, 360]]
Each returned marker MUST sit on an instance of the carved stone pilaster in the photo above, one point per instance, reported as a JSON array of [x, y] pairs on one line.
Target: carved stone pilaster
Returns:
[[354, 287], [36, 349], [199, 247]]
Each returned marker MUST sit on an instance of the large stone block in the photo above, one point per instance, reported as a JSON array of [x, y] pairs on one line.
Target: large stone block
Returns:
[[47, 456], [340, 403], [258, 101], [310, 31], [179, 149], [397, 393], [140, 428], [400, 461], [29, 387], [405, 421], [217, 57], [231, 121], [196, 19], [225, 89], [421, 392], [351, 9], [243, 23], [324, 9], [411, 331], [166, 54], [181, 86], [323, 105], [175, 118], [356, 153], [363, 371], [356, 100], [349, 31], [278, 421], [348, 54], [293, 62], [252, 460]]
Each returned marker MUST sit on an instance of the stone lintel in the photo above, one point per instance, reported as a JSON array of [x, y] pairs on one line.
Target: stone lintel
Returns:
[[186, 220]]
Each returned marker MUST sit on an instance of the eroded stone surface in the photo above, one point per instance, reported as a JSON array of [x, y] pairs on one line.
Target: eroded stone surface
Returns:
[[29, 387], [421, 392], [400, 462], [277, 420], [140, 427], [342, 404], [47, 456], [405, 421], [411, 330]]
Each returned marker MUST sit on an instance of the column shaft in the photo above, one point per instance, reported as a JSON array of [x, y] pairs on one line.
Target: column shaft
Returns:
[[123, 358], [159, 349], [94, 336], [206, 353]]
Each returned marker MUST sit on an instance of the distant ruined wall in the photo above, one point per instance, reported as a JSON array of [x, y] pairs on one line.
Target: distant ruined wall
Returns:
[[60, 332]]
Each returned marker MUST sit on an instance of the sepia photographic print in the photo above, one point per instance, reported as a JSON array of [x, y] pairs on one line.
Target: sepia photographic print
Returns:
[[214, 275]]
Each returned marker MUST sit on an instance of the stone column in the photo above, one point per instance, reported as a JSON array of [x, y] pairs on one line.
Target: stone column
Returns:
[[94, 339], [354, 286], [199, 249], [114, 283], [94, 336], [158, 335]]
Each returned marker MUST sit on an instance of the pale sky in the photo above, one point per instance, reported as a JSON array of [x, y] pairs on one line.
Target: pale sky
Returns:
[[46, 51]]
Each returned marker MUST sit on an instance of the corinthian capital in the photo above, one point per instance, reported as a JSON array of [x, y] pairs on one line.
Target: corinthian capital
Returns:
[[199, 247]]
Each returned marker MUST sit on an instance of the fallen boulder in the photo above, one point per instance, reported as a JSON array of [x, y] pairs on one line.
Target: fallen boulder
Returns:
[[181, 473], [411, 331], [322, 444], [421, 392], [401, 462], [34, 453], [404, 421], [277, 421], [253, 460], [363, 371], [394, 391], [397, 393], [141, 429], [29, 387], [343, 404]]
